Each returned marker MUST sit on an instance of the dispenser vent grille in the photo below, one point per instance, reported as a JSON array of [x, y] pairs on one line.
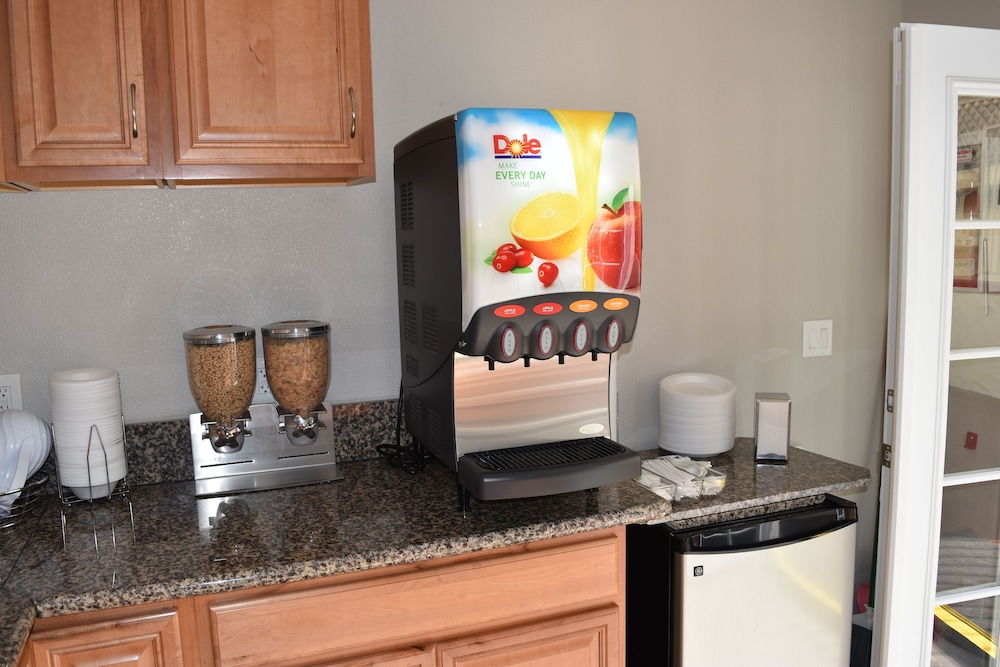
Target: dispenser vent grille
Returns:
[[412, 366], [410, 322], [430, 328], [547, 454], [409, 261], [406, 205]]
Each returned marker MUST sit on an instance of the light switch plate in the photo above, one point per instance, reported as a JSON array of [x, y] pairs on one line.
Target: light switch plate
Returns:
[[817, 338]]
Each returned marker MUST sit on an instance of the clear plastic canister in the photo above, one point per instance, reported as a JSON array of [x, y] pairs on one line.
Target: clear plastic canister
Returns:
[[297, 364], [221, 365]]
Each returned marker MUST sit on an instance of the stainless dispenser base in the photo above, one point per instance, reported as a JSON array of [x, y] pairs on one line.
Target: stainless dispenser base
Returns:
[[267, 459]]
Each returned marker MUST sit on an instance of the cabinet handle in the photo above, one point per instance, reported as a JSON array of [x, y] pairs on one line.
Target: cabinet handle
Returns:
[[135, 122], [986, 276], [354, 113]]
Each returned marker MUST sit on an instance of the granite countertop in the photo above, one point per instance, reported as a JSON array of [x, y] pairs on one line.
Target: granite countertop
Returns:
[[159, 542]]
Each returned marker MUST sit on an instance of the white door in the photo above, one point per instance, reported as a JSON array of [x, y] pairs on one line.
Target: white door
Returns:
[[937, 581]]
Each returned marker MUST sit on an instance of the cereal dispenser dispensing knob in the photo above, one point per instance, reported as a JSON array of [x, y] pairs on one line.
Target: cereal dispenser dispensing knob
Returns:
[[221, 371], [297, 365]]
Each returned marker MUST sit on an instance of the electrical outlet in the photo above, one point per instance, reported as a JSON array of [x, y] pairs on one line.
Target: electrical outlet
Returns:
[[262, 392], [10, 392]]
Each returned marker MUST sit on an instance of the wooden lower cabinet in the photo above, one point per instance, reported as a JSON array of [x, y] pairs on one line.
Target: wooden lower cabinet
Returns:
[[408, 658], [144, 636], [551, 603], [581, 640]]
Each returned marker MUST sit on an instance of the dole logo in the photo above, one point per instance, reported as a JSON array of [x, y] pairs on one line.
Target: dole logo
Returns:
[[505, 147]]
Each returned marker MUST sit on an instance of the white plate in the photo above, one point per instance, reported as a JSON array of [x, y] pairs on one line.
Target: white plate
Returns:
[[698, 451], [699, 386]]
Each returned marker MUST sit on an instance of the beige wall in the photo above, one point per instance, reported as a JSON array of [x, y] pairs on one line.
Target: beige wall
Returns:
[[974, 13], [764, 137]]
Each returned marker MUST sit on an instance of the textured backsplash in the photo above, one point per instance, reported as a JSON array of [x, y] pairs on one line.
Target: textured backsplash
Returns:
[[161, 451]]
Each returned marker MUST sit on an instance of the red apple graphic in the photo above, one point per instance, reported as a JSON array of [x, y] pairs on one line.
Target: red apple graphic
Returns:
[[614, 245]]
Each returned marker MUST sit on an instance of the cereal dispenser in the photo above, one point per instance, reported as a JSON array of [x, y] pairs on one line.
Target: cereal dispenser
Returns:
[[221, 370], [297, 364], [237, 446], [519, 237]]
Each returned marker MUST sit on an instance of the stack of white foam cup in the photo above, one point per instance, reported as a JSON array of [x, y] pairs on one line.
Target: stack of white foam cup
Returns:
[[88, 430]]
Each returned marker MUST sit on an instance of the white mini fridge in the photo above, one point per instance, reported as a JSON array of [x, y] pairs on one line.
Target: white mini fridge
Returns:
[[773, 590]]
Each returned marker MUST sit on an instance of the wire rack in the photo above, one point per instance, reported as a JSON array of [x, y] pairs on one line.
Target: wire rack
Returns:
[[24, 500], [106, 526], [97, 491]]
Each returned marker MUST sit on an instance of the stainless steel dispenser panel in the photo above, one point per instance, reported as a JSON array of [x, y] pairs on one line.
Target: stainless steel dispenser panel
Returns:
[[546, 401]]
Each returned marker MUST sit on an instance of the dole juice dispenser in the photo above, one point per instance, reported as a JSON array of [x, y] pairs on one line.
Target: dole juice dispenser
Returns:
[[519, 240]]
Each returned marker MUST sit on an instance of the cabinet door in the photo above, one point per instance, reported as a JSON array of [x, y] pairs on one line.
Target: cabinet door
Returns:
[[581, 640], [409, 658], [368, 612], [152, 639], [268, 88], [78, 91]]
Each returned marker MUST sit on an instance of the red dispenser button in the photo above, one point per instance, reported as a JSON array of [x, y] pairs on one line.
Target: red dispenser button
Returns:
[[547, 308], [509, 310]]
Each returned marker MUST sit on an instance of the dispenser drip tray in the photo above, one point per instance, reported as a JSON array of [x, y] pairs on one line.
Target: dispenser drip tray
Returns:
[[545, 469]]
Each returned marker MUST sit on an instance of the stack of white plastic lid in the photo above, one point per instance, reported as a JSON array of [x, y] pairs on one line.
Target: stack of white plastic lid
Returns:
[[697, 414], [87, 430]]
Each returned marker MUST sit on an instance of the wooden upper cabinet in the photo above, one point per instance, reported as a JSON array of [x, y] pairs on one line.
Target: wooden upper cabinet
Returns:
[[271, 82], [126, 92], [77, 104]]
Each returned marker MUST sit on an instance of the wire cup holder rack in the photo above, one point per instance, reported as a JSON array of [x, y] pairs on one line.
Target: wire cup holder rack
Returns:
[[101, 525], [106, 489], [101, 496], [16, 504]]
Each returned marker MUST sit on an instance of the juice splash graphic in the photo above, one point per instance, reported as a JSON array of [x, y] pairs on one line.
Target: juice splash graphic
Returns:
[[548, 204], [584, 131]]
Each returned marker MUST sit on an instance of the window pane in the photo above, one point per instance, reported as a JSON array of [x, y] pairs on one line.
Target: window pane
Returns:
[[968, 555], [978, 158], [977, 250], [975, 315], [964, 634], [972, 440]]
